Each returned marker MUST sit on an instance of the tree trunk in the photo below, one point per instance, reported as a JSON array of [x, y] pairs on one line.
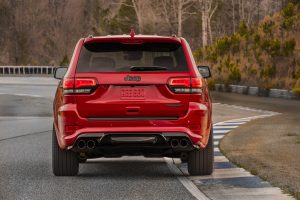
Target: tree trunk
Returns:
[[210, 15], [179, 29], [233, 15], [138, 15], [204, 26]]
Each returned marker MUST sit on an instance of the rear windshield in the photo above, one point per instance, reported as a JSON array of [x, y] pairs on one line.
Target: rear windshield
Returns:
[[117, 57]]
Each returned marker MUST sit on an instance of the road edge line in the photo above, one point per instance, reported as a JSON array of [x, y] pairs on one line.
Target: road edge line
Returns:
[[187, 183]]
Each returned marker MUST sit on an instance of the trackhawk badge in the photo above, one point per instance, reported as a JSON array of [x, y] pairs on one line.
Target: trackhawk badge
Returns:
[[132, 78]]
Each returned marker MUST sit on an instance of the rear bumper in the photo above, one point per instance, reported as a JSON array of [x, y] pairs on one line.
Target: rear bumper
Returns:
[[164, 131], [119, 144], [196, 125]]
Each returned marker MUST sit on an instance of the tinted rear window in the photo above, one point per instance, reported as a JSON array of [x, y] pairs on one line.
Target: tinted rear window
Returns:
[[117, 57]]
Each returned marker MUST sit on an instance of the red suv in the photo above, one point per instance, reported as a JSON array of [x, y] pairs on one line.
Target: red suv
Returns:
[[132, 95]]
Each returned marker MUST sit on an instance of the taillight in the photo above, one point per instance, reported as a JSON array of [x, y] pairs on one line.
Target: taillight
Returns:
[[79, 85], [185, 85]]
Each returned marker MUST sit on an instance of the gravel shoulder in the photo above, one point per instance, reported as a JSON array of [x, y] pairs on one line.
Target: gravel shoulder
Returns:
[[269, 147]]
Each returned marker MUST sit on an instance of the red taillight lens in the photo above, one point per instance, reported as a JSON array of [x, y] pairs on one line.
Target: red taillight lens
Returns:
[[196, 83], [185, 85], [79, 85], [68, 83], [84, 82], [184, 82]]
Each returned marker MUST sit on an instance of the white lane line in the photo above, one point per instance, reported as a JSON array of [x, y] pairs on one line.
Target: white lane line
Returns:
[[216, 142], [223, 173], [218, 136], [220, 159], [248, 119], [216, 149], [238, 193], [29, 95], [235, 121], [186, 182], [24, 117], [247, 108], [231, 123], [225, 127], [221, 131]]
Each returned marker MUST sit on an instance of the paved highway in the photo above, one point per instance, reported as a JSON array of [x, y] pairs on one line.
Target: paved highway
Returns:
[[25, 158]]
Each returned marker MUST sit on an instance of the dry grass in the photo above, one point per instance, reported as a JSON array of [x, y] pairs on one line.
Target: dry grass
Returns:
[[269, 147], [267, 151]]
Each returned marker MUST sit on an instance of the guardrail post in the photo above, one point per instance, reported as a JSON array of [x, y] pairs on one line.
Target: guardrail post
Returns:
[[26, 70]]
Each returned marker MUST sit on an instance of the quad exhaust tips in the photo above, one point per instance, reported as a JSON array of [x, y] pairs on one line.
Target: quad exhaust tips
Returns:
[[82, 144]]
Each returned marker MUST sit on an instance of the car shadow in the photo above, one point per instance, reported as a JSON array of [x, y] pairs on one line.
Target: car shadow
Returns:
[[120, 169]]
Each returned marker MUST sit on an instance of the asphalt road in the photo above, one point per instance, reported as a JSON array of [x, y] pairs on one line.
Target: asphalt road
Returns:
[[25, 156]]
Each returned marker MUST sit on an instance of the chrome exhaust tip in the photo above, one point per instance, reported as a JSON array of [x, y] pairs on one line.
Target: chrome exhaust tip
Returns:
[[91, 144], [184, 143], [174, 143], [81, 144]]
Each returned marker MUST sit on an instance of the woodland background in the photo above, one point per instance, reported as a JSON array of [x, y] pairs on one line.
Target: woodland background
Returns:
[[254, 42]]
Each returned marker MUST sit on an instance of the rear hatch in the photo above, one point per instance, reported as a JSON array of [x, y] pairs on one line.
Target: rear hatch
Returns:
[[131, 81]]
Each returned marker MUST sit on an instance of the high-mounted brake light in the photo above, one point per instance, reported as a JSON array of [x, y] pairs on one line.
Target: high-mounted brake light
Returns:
[[185, 85], [79, 85], [132, 33]]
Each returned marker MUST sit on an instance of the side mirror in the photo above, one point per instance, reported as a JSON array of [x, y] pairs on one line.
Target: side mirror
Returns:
[[204, 71], [60, 72]]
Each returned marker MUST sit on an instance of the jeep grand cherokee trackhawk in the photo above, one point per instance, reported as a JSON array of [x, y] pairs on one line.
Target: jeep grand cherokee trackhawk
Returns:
[[132, 95]]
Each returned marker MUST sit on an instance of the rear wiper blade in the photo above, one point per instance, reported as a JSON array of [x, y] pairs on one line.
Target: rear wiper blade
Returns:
[[148, 68]]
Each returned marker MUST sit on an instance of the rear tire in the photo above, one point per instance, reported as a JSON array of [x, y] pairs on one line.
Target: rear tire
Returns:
[[64, 162], [200, 162]]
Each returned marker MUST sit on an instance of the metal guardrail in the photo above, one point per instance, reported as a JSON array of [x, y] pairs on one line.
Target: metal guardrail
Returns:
[[278, 93], [253, 91], [220, 87], [26, 70], [256, 91]]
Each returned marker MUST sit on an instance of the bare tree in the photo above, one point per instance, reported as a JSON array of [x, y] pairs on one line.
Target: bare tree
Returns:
[[207, 12], [139, 9], [233, 15], [248, 9], [139, 6], [176, 12]]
